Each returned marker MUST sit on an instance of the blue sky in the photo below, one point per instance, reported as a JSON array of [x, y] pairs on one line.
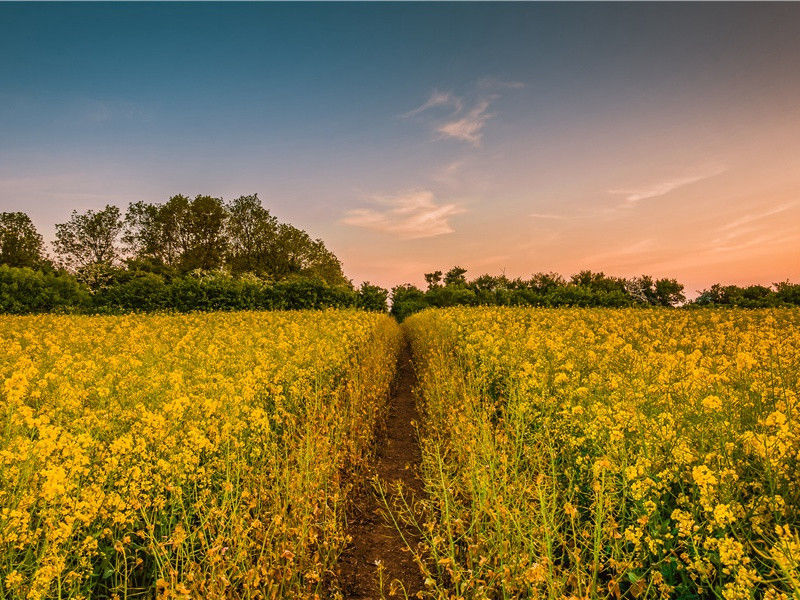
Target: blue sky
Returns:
[[657, 138]]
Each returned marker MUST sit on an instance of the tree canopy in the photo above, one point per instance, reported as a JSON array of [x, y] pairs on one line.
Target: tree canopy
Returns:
[[21, 245]]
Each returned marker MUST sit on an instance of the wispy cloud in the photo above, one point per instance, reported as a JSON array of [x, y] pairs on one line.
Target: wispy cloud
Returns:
[[468, 128], [665, 186], [750, 230], [752, 217], [449, 174], [437, 99], [411, 215], [468, 116], [548, 216]]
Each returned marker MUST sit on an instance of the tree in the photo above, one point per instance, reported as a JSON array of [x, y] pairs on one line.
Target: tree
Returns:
[[298, 254], [252, 234], [486, 283], [642, 290], [406, 300], [89, 238], [455, 276], [158, 233], [433, 279], [372, 297], [205, 225], [598, 282], [20, 244], [669, 292], [546, 282]]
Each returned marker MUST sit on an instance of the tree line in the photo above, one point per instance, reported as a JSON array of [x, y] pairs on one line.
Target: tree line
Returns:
[[584, 289], [173, 238], [206, 254], [183, 254]]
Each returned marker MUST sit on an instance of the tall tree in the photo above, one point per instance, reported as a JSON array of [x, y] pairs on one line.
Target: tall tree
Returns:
[[252, 234], [299, 254], [205, 224], [433, 279], [455, 276], [20, 244], [669, 292], [181, 233], [89, 238], [158, 233]]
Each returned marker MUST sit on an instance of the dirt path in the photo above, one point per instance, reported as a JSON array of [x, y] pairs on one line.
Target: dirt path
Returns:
[[375, 539]]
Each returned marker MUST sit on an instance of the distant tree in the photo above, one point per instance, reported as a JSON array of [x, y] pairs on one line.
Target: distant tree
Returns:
[[406, 300], [372, 297], [546, 282], [455, 276], [159, 233], [252, 237], [486, 283], [788, 292], [599, 282], [642, 289], [89, 238], [661, 292], [433, 279], [205, 225], [20, 244], [712, 295], [669, 292]]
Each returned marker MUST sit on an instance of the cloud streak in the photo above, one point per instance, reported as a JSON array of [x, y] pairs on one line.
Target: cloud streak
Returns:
[[465, 124], [412, 215], [752, 217], [663, 187], [437, 99], [468, 128]]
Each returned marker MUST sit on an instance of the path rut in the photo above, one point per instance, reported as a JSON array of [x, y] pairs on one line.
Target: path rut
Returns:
[[375, 539]]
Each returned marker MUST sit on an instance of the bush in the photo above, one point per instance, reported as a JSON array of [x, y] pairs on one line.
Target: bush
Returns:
[[23, 290], [372, 297]]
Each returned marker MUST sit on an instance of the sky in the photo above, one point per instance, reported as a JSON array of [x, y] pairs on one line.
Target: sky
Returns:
[[515, 138]]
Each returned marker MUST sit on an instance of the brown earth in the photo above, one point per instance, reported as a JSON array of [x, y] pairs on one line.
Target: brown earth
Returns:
[[375, 539]]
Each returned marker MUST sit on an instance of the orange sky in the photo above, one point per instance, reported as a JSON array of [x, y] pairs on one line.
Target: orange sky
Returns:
[[658, 138]]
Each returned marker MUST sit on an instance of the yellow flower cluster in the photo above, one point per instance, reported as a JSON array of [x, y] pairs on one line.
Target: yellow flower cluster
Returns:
[[593, 453], [194, 456]]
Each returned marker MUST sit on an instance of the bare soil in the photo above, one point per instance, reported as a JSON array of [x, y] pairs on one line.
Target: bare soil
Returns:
[[375, 539]]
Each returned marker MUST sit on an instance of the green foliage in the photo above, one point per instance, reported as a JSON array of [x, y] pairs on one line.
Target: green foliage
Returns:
[[183, 235], [23, 290], [20, 244], [406, 300], [374, 298], [89, 238], [752, 296], [584, 289]]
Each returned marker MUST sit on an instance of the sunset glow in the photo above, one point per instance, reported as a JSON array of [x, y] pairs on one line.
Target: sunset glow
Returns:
[[652, 138]]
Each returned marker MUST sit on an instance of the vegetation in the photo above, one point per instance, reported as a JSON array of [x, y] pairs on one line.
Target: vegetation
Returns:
[[20, 244], [205, 254], [608, 454], [753, 296], [542, 289], [182, 255], [184, 456]]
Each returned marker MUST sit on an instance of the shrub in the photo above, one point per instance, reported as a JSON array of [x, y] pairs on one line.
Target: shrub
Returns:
[[23, 290]]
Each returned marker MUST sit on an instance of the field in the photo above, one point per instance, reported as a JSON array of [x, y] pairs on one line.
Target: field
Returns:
[[200, 456], [607, 454], [565, 453]]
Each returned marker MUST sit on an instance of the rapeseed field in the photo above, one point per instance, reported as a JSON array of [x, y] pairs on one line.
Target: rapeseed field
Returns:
[[598, 453], [194, 456]]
